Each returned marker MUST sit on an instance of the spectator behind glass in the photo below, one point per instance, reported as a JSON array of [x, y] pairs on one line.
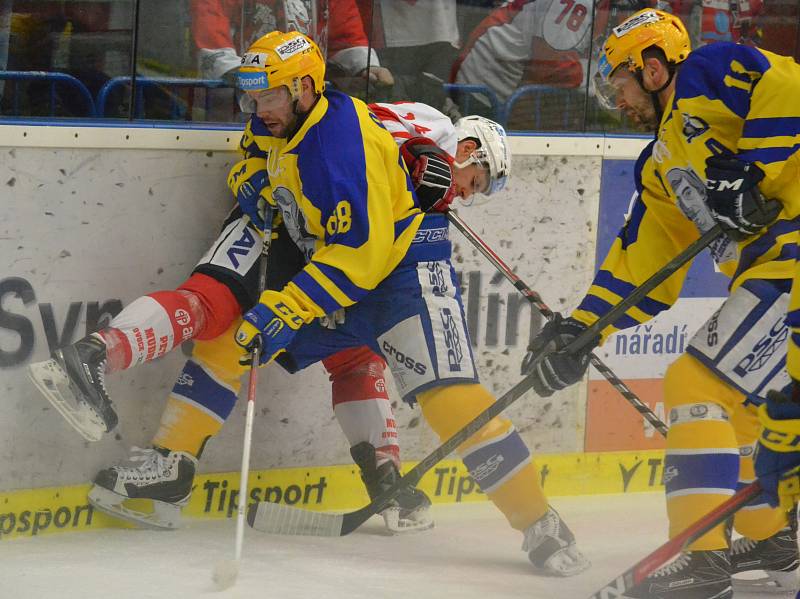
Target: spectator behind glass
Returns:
[[545, 42], [418, 41], [222, 29]]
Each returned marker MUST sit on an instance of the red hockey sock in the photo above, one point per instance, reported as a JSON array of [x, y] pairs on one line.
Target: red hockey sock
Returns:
[[154, 324], [361, 403]]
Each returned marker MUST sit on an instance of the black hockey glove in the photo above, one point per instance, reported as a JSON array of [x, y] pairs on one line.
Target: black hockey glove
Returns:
[[431, 173], [557, 370], [734, 198]]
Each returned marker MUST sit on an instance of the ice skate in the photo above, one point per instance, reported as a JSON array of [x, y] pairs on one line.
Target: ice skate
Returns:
[[410, 509], [150, 494], [73, 381], [775, 558], [692, 575], [550, 546]]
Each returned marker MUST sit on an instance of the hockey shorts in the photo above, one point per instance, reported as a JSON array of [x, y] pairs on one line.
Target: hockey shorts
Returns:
[[414, 318], [233, 259], [745, 340]]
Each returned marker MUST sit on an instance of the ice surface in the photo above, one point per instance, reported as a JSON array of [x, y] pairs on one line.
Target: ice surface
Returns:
[[471, 554]]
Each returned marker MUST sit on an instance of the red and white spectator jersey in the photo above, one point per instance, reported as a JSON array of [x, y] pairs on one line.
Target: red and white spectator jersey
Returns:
[[405, 120], [224, 29], [547, 38]]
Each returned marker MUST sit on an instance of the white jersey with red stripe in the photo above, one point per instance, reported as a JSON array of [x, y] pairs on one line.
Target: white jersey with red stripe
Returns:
[[405, 120]]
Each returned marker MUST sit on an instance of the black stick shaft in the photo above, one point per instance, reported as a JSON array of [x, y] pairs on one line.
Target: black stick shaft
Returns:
[[535, 299]]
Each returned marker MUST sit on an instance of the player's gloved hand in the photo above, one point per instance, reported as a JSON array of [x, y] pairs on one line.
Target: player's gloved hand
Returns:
[[249, 182], [734, 198], [778, 452], [557, 369], [273, 322], [431, 171], [332, 320]]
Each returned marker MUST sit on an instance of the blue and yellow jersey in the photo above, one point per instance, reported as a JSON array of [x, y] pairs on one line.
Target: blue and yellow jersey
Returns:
[[345, 196], [728, 98]]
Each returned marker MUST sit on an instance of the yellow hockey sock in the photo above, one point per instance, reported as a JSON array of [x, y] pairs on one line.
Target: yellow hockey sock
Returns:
[[496, 456]]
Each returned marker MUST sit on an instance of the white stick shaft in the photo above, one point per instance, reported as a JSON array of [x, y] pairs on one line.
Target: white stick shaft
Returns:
[[248, 435]]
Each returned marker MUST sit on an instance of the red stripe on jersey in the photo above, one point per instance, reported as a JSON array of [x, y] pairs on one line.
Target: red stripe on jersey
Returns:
[[384, 113]]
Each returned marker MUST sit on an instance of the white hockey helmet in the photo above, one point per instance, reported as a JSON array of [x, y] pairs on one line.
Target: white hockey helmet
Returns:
[[492, 151]]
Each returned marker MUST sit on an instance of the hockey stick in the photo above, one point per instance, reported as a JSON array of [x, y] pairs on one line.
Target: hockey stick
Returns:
[[536, 300], [226, 572], [646, 566], [670, 268], [283, 519]]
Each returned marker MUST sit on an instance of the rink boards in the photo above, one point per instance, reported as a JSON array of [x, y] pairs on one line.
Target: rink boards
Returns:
[[35, 512], [93, 217]]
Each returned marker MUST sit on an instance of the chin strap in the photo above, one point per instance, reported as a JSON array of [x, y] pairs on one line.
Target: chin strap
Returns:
[[301, 116], [654, 94]]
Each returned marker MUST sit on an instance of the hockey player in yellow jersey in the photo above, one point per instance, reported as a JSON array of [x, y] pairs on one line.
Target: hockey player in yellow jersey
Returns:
[[338, 179], [727, 124]]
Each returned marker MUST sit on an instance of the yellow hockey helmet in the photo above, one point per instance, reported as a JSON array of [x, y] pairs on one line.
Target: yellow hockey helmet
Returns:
[[278, 59], [645, 29]]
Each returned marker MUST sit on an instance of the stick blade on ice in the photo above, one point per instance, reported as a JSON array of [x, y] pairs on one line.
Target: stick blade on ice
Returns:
[[286, 520], [225, 574]]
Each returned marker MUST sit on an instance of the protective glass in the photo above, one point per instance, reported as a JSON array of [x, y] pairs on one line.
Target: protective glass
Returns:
[[264, 100]]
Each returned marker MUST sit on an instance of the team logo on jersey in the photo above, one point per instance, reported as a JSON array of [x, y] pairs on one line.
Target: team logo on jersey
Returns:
[[693, 126], [292, 47], [649, 16], [294, 220]]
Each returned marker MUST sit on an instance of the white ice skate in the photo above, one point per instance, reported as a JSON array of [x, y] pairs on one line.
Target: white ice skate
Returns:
[[150, 494]]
